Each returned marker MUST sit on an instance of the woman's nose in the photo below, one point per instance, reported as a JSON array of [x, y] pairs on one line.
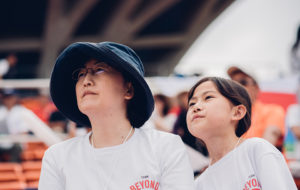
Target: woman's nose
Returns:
[[88, 80]]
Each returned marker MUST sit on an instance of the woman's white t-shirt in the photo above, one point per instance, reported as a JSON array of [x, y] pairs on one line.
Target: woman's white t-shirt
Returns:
[[150, 159]]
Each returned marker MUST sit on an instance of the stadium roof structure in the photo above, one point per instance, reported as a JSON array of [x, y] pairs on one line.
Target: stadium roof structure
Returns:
[[160, 31]]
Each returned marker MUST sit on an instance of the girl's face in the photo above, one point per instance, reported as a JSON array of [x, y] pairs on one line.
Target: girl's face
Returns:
[[101, 87], [209, 112]]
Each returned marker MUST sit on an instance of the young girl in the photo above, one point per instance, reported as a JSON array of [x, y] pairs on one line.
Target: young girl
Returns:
[[102, 85], [219, 114]]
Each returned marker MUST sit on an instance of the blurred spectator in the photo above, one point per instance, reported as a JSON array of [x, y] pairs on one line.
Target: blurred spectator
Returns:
[[161, 117], [76, 130], [181, 129], [7, 63], [58, 122], [293, 125], [16, 119], [267, 119], [295, 54], [41, 105]]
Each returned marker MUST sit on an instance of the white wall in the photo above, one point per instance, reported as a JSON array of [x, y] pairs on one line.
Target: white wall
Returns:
[[259, 33]]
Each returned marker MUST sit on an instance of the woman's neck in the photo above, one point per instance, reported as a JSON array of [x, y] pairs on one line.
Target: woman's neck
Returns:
[[107, 131], [219, 146]]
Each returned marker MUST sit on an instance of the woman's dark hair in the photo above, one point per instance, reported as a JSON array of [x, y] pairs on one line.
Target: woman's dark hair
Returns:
[[235, 93], [132, 116]]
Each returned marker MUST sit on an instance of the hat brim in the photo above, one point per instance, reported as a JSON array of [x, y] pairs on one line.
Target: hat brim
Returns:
[[62, 86], [235, 70]]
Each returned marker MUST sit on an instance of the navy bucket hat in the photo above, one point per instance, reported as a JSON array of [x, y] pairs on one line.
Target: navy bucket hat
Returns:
[[118, 56]]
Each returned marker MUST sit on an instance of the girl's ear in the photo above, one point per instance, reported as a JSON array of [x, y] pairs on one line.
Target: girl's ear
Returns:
[[129, 91], [239, 112]]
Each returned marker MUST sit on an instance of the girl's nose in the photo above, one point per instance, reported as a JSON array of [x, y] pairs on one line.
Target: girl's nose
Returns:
[[197, 107]]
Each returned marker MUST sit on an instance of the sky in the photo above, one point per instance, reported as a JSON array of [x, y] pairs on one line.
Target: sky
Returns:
[[256, 35]]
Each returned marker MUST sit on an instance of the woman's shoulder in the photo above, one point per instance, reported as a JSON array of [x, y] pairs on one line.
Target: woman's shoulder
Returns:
[[161, 139], [157, 134], [68, 144]]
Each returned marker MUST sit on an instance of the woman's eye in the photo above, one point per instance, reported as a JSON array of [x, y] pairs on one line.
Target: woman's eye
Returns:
[[99, 70], [81, 74]]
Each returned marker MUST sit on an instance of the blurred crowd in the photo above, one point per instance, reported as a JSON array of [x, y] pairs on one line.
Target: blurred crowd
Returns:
[[36, 115]]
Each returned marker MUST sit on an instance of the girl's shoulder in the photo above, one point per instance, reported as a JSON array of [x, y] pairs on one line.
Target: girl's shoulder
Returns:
[[259, 146], [255, 140]]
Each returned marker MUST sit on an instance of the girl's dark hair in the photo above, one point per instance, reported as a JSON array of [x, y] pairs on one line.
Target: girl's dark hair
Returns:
[[235, 93]]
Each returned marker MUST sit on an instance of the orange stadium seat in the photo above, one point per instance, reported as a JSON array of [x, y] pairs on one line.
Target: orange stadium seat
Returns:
[[32, 165], [10, 167], [16, 185]]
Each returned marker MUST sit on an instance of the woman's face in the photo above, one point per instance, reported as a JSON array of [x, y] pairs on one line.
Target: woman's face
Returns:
[[101, 88], [209, 112]]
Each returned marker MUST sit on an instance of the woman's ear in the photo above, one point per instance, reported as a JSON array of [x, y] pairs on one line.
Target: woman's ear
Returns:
[[129, 91], [239, 112]]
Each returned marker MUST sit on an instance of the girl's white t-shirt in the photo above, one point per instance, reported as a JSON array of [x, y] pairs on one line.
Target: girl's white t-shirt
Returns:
[[254, 165]]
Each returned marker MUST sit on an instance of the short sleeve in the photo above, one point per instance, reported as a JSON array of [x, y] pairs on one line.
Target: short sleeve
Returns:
[[51, 178], [273, 172]]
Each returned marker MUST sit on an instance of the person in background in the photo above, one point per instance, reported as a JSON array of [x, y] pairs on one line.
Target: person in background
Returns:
[[295, 54], [180, 126], [58, 123], [267, 119], [102, 85], [219, 113], [40, 104], [293, 126], [16, 119], [161, 118], [10, 61]]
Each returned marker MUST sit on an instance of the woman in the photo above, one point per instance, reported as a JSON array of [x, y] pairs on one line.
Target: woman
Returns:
[[101, 85], [219, 114]]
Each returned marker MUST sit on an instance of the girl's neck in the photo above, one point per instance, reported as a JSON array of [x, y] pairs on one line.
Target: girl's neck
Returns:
[[108, 132], [218, 147]]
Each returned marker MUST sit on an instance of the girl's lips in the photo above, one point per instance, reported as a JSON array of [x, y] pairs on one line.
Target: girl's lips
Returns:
[[197, 116]]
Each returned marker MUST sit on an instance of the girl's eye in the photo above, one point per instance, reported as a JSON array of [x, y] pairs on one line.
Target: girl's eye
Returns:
[[191, 104], [208, 97]]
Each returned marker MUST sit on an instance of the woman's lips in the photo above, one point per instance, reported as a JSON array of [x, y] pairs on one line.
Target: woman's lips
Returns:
[[88, 93]]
